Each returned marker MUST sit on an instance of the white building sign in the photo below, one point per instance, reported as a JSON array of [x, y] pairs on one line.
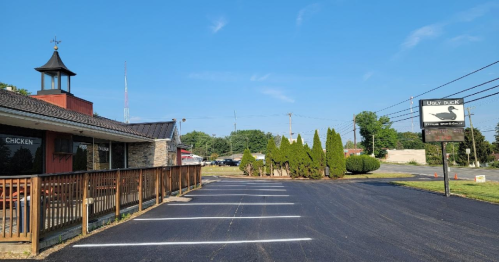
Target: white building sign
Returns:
[[441, 113]]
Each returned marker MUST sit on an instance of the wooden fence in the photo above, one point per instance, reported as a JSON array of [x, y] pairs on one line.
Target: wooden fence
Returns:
[[58, 201]]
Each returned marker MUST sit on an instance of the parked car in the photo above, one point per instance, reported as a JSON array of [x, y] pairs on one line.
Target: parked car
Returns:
[[230, 162]]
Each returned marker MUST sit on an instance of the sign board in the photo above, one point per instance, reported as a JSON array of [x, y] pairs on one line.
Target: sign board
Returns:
[[468, 151], [480, 179], [443, 135], [435, 113]]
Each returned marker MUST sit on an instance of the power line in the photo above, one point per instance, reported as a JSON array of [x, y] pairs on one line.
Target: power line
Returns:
[[467, 89], [438, 87]]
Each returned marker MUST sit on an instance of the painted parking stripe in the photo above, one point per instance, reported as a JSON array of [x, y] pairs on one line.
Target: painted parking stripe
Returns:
[[196, 195], [201, 218], [230, 204], [256, 189], [195, 243], [260, 184]]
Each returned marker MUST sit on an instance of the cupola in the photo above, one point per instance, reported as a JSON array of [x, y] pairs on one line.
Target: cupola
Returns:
[[56, 85], [56, 77]]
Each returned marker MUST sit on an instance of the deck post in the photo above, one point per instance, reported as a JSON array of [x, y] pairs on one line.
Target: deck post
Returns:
[[118, 194], [84, 220], [35, 214], [140, 190], [180, 181], [158, 189]]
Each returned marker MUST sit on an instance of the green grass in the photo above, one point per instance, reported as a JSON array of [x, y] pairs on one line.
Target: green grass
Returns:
[[377, 175], [220, 170], [488, 191]]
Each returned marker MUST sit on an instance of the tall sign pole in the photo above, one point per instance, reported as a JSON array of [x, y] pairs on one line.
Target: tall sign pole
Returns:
[[446, 169], [290, 133]]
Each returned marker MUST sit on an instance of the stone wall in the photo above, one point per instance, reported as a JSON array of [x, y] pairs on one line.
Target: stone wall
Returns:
[[147, 154], [406, 156]]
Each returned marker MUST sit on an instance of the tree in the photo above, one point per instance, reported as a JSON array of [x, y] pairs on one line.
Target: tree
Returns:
[[285, 154], [255, 139], [247, 163], [202, 143], [269, 157], [337, 162], [330, 148], [214, 156], [483, 152], [318, 156], [385, 136], [409, 140], [21, 91], [349, 144], [433, 154], [296, 157]]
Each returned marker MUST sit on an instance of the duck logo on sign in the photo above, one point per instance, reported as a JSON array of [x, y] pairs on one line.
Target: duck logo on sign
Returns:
[[442, 113]]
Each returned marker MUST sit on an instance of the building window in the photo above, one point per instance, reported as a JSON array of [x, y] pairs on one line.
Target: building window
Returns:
[[117, 155], [20, 155]]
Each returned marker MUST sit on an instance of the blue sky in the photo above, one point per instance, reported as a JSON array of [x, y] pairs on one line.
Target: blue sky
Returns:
[[201, 60]]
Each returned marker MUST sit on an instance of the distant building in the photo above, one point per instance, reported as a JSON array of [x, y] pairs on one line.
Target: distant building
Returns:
[[350, 152]]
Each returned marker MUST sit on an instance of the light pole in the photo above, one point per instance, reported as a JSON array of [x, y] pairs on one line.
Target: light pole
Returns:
[[183, 120]]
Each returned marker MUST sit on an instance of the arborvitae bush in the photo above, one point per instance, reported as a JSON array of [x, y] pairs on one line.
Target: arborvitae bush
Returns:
[[362, 164], [258, 168], [247, 163]]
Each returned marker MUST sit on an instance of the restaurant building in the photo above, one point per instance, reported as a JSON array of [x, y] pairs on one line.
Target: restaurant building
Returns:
[[55, 131]]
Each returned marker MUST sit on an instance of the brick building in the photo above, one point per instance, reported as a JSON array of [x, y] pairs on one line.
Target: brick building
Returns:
[[55, 131]]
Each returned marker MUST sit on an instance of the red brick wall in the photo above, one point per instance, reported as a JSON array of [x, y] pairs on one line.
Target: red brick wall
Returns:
[[68, 102]]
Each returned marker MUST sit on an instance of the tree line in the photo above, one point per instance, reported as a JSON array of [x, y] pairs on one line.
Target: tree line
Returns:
[[211, 146], [297, 159]]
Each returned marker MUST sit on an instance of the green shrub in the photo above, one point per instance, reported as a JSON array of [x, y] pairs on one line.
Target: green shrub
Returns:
[[355, 164], [495, 164], [362, 164], [413, 162]]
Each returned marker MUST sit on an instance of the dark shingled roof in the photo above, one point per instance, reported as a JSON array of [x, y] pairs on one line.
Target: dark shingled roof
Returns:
[[55, 63], [12, 100], [158, 130]]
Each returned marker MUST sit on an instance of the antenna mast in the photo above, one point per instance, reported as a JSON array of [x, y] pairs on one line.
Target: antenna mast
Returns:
[[235, 122], [127, 109]]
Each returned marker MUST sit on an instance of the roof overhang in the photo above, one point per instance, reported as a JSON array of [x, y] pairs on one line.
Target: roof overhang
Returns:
[[18, 118]]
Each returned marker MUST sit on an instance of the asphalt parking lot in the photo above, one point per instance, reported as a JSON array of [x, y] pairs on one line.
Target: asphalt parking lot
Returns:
[[268, 220]]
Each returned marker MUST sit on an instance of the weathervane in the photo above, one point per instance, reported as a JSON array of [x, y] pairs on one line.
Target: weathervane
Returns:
[[56, 42]]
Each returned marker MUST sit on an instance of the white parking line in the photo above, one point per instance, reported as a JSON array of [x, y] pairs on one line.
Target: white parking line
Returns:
[[195, 243], [201, 218], [247, 182], [266, 186], [257, 189], [230, 204], [237, 195]]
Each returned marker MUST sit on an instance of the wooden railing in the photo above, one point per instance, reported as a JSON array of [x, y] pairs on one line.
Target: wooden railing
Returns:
[[57, 201]]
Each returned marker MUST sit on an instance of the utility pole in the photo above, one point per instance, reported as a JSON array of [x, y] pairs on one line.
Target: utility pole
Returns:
[[373, 145], [235, 122], [290, 134], [472, 137], [412, 119], [354, 133]]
